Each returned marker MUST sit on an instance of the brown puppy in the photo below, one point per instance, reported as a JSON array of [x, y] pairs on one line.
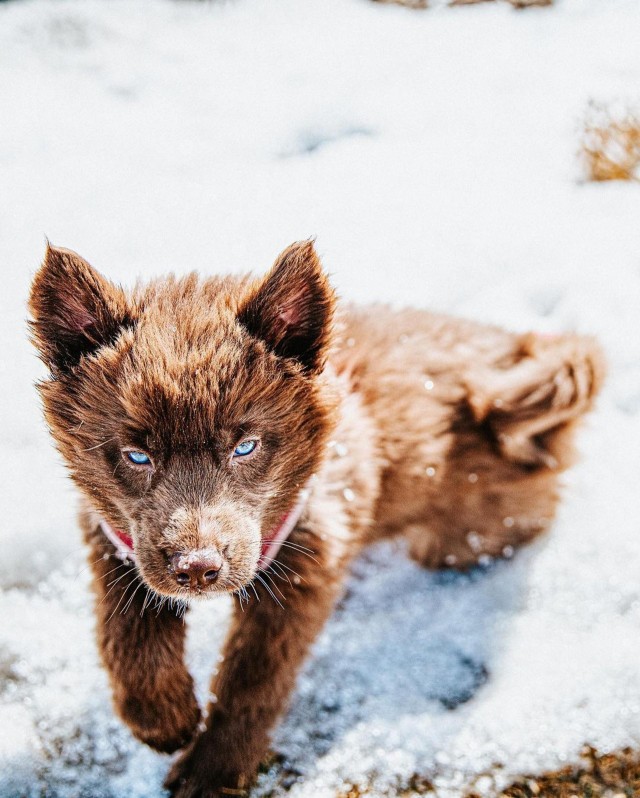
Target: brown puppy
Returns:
[[203, 419]]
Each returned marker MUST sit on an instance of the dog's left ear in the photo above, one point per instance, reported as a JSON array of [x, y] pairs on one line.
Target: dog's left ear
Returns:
[[74, 309], [292, 308]]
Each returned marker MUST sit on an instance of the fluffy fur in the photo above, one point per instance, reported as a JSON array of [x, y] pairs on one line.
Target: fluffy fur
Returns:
[[446, 431]]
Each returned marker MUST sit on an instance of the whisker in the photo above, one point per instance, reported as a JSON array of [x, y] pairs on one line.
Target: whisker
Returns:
[[182, 605], [159, 601], [268, 589], [115, 581], [124, 593], [268, 576], [145, 602], [253, 587], [123, 611], [288, 568], [291, 545], [98, 445], [300, 550], [70, 556], [119, 565], [89, 565], [112, 585], [241, 593], [281, 575]]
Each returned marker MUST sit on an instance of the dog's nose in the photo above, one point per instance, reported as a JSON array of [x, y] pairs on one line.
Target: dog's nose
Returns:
[[199, 568]]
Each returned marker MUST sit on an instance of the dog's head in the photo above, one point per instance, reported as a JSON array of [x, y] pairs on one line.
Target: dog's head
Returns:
[[190, 413]]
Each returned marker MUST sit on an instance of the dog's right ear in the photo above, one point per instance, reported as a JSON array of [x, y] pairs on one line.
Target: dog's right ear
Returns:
[[292, 308], [74, 309]]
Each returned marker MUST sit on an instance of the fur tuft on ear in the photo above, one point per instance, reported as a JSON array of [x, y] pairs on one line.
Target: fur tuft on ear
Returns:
[[292, 309], [74, 309]]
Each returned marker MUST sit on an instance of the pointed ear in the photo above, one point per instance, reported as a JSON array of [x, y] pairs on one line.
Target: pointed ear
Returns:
[[293, 308], [74, 309]]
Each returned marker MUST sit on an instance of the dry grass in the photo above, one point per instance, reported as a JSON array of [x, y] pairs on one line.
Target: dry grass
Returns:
[[425, 3], [407, 3], [599, 776], [514, 3], [417, 786], [610, 145], [530, 3]]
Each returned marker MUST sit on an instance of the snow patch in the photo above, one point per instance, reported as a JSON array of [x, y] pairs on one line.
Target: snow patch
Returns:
[[433, 154]]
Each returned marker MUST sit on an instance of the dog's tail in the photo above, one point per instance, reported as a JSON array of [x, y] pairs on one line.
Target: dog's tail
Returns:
[[532, 403]]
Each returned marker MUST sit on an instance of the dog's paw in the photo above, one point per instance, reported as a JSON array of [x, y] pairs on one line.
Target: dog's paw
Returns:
[[195, 775], [163, 725]]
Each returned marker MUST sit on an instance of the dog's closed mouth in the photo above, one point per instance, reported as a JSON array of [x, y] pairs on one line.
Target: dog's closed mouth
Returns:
[[197, 570]]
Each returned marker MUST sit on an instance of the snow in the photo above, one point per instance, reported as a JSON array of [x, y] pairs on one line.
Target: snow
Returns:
[[433, 154]]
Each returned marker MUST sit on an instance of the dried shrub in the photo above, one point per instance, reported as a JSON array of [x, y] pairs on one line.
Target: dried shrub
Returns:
[[613, 775], [514, 3], [601, 776], [610, 145], [407, 3], [425, 3], [530, 3], [467, 2], [416, 786]]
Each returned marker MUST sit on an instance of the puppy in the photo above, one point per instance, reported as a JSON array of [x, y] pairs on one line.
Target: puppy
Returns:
[[238, 435]]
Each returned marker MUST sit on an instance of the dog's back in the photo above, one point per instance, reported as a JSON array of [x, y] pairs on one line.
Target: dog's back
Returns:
[[473, 425]]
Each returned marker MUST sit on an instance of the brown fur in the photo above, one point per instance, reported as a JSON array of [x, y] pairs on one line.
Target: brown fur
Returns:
[[449, 432]]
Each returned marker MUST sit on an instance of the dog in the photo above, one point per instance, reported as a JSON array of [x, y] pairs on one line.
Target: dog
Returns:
[[242, 435]]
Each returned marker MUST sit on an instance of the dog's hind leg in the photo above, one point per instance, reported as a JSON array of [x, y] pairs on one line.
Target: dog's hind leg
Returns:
[[513, 437], [142, 647]]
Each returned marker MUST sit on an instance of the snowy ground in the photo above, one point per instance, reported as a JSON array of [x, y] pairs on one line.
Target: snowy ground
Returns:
[[433, 155]]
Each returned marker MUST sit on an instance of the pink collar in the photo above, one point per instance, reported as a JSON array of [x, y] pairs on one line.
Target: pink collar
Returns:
[[270, 546]]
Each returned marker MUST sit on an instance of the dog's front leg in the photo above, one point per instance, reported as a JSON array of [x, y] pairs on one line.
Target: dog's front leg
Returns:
[[142, 648], [266, 645]]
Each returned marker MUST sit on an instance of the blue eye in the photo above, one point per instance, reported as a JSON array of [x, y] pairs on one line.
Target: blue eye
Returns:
[[245, 448], [139, 458]]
